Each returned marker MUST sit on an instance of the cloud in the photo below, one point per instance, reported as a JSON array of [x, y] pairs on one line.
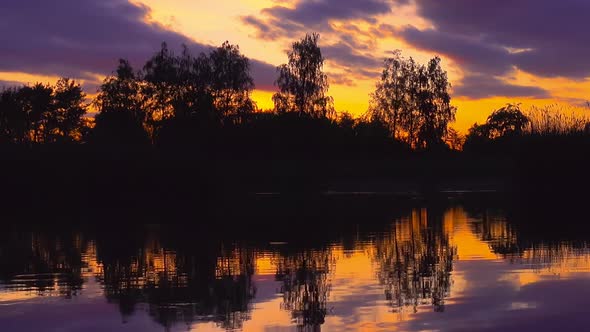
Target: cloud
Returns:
[[488, 40], [83, 38], [314, 15], [341, 79], [344, 55], [264, 75], [552, 36], [470, 53], [313, 12], [482, 86]]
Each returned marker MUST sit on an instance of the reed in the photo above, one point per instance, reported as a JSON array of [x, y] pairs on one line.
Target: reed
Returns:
[[556, 120]]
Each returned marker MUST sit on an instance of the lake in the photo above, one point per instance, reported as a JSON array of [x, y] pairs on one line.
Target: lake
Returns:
[[456, 264]]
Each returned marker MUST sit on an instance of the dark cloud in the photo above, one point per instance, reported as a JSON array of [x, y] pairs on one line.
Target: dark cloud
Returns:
[[313, 12], [344, 55], [470, 53], [551, 36], [341, 79], [483, 86], [315, 15], [264, 75], [272, 29], [263, 29], [82, 38]]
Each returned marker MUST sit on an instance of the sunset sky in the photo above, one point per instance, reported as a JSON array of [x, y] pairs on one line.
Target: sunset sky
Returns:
[[496, 51]]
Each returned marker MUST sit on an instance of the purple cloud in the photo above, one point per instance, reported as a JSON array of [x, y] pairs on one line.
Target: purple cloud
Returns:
[[483, 86], [469, 52], [317, 15], [344, 55], [550, 37], [488, 39], [82, 38], [313, 12]]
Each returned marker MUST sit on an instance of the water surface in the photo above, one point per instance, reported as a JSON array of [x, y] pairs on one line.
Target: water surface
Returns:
[[431, 267]]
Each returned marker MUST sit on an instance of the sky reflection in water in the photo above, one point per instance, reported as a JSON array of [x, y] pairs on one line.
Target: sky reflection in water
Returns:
[[431, 269]]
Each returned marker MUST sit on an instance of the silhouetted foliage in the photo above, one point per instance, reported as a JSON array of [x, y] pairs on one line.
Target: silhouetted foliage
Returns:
[[556, 121], [231, 83], [66, 119], [506, 121], [204, 92], [414, 101], [454, 139], [121, 109], [302, 83], [13, 123], [42, 113]]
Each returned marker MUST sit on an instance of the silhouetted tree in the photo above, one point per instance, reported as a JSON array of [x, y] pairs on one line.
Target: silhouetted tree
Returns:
[[162, 75], [190, 97], [454, 139], [347, 123], [13, 123], [181, 86], [121, 109], [37, 103], [414, 100], [506, 121], [302, 83], [372, 126], [391, 100], [231, 83], [65, 121], [42, 113], [122, 92]]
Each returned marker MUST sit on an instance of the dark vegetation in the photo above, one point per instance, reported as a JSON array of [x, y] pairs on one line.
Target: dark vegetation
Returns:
[[183, 131]]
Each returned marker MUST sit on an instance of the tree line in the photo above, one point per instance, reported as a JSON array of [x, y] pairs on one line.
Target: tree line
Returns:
[[175, 97], [176, 100], [43, 113]]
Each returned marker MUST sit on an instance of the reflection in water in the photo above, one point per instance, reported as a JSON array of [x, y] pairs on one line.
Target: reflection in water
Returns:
[[42, 264], [556, 256], [182, 288], [186, 283], [493, 229], [416, 261], [306, 286]]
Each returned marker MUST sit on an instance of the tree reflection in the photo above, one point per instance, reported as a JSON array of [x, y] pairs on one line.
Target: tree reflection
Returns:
[[553, 251], [492, 227], [45, 264], [306, 286], [184, 287], [415, 262]]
